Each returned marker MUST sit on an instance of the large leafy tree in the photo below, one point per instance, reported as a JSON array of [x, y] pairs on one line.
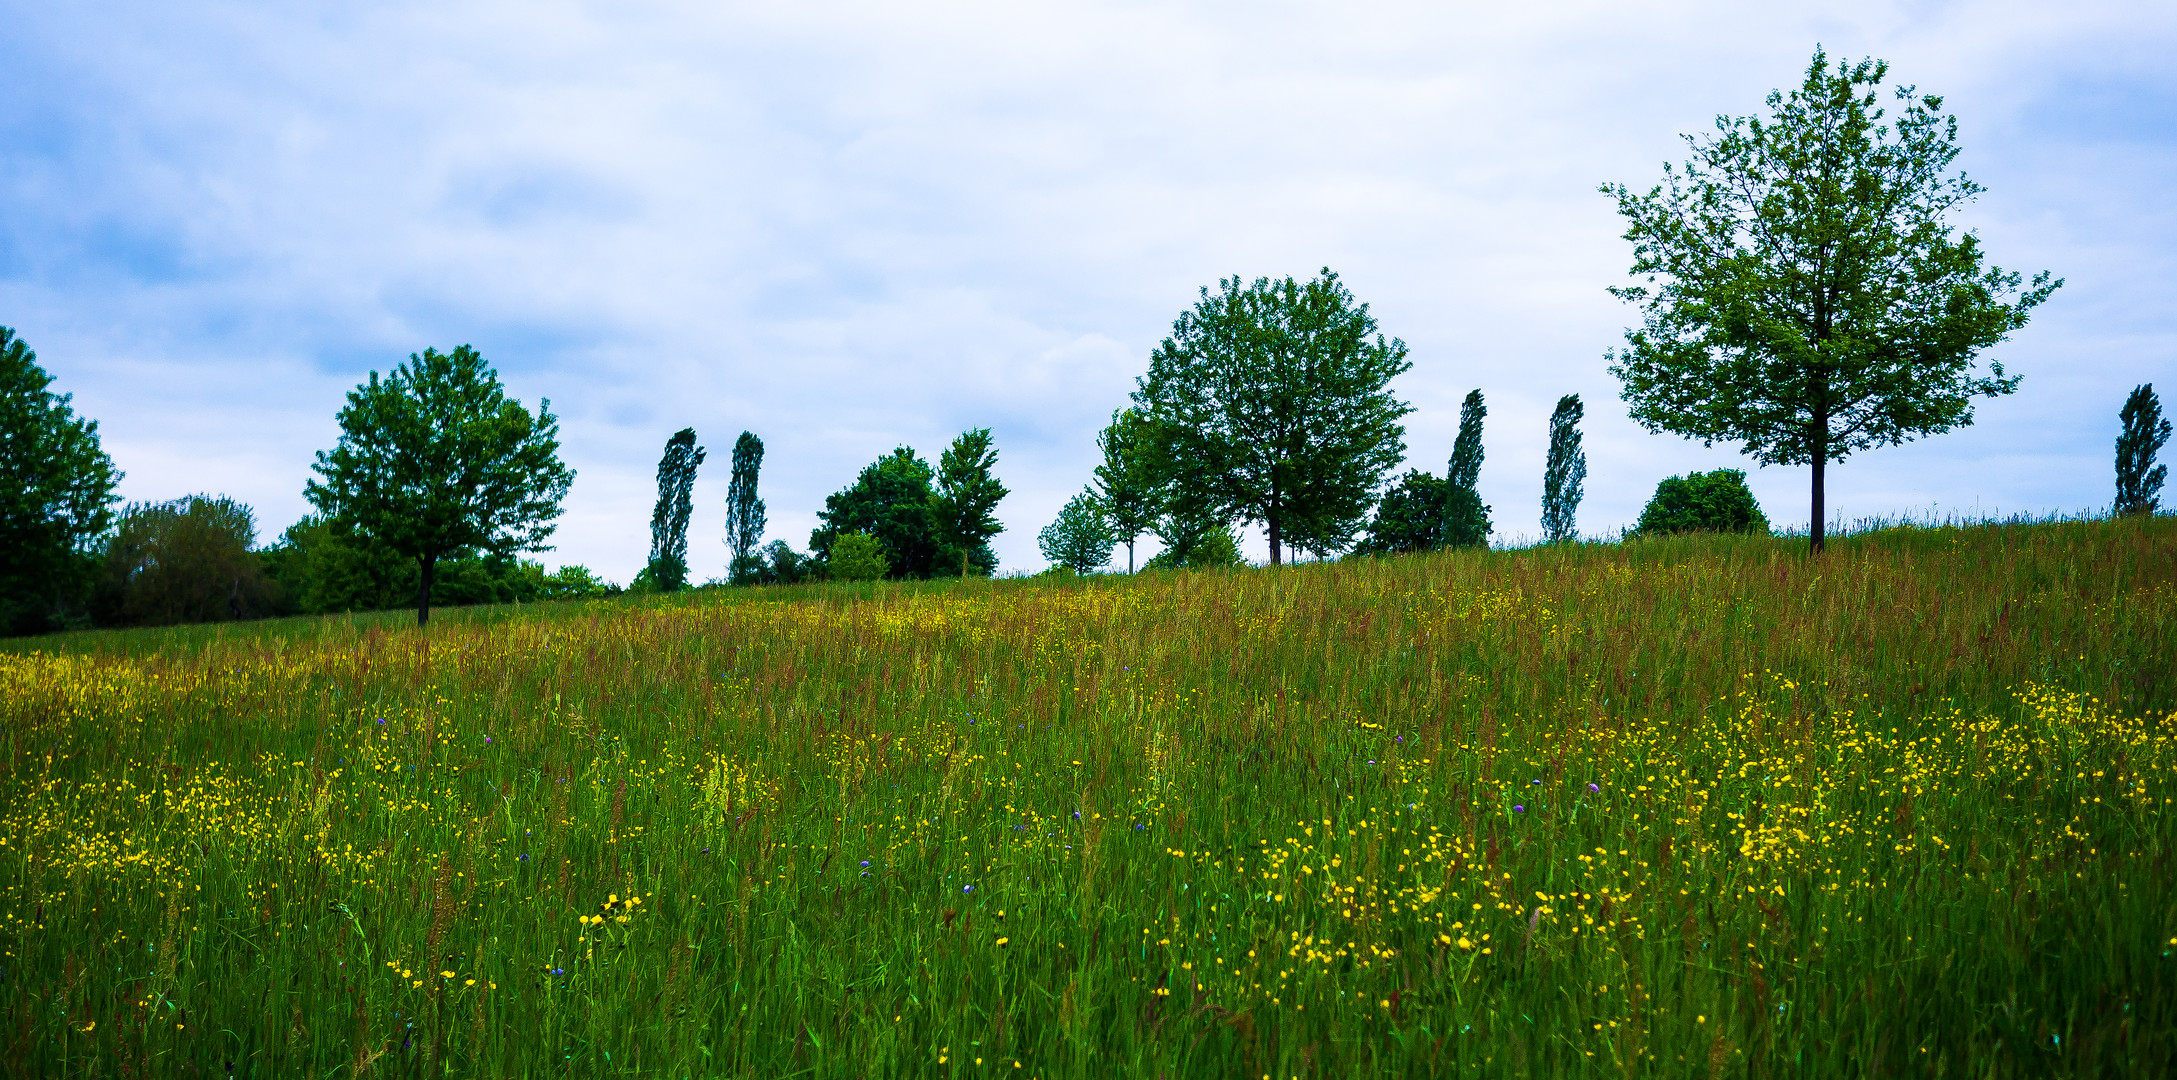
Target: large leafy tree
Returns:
[[56, 494], [1466, 520], [1269, 401], [1804, 294], [745, 510], [2139, 479], [1564, 474], [436, 461], [676, 501], [1129, 484], [890, 501], [964, 506], [185, 561]]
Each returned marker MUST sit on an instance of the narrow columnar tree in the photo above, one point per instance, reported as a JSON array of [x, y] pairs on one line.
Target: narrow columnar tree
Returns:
[[1565, 473], [2139, 486], [1128, 483], [965, 503], [744, 511], [669, 522], [56, 493], [1466, 520], [1079, 540]]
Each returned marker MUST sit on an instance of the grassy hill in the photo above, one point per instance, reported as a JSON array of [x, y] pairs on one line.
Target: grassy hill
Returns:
[[1686, 807]]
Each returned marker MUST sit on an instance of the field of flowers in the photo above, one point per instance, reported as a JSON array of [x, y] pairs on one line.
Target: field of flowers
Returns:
[[1694, 807]]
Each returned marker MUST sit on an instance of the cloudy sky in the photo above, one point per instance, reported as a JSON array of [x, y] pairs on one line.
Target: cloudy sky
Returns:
[[852, 226]]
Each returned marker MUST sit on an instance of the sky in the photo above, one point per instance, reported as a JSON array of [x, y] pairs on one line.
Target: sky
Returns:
[[853, 226]]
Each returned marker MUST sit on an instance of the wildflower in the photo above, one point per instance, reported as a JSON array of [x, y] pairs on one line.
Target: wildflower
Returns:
[[1519, 809], [1592, 787]]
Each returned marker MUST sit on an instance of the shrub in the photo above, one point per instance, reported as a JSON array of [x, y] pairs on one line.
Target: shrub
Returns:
[[858, 557], [1716, 501]]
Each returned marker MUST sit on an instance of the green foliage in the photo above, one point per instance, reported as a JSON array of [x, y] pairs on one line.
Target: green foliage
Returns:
[[1813, 300], [1195, 540], [964, 505], [858, 557], [668, 565], [1716, 501], [785, 566], [325, 566], [1129, 484], [56, 495], [1564, 474], [890, 501], [1466, 520], [1078, 539], [1268, 403], [2138, 486], [745, 517], [1410, 516], [435, 460], [184, 561]]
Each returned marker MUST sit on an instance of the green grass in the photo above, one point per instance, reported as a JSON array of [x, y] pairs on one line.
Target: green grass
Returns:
[[1686, 807]]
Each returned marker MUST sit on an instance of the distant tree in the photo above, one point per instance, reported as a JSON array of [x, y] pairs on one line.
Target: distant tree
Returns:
[[1194, 538], [1565, 473], [1716, 501], [2139, 487], [184, 561], [744, 511], [435, 461], [322, 566], [1813, 300], [965, 503], [1466, 520], [1269, 404], [676, 501], [56, 495], [1079, 539], [785, 566], [858, 557], [1129, 483], [1409, 518], [890, 500]]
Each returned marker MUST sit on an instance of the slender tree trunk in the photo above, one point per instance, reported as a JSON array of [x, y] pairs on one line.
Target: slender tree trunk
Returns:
[[423, 589], [1130, 557], [1277, 550], [1821, 464]]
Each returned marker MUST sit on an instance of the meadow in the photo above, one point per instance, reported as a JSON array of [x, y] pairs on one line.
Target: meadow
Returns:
[[1698, 806]]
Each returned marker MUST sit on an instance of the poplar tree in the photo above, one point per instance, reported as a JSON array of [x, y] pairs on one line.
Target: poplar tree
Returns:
[[2138, 485], [676, 500], [744, 511], [1565, 473], [1466, 520]]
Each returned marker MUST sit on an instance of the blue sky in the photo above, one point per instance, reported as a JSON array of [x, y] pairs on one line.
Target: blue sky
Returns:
[[852, 226]]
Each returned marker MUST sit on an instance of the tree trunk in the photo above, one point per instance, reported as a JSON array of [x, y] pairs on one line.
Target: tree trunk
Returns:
[[1277, 550], [1130, 557], [423, 589], [1821, 459]]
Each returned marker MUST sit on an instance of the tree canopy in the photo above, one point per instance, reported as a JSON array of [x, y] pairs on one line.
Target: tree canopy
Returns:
[[1803, 293], [1129, 483], [964, 505], [1078, 539], [185, 561], [1716, 501], [1270, 405], [56, 494], [890, 501], [435, 461], [1410, 516]]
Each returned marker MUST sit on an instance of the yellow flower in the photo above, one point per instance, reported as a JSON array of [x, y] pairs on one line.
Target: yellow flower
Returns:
[[449, 975], [1002, 940], [471, 982], [1466, 943]]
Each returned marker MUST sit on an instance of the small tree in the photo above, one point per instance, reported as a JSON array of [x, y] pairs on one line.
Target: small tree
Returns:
[[185, 561], [1409, 518], [1466, 520], [1079, 539], [1270, 404], [56, 494], [676, 500], [435, 460], [1716, 501], [1565, 473], [744, 511], [858, 557], [1128, 483], [2138, 486], [1812, 299], [965, 503]]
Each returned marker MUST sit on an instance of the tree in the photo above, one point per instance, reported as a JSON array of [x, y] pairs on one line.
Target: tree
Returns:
[[1268, 401], [1410, 516], [858, 557], [435, 461], [669, 522], [890, 500], [2139, 487], [744, 511], [964, 504], [1805, 296], [1194, 537], [1466, 520], [1079, 539], [1716, 501], [1565, 473], [56, 494], [1128, 484], [185, 561]]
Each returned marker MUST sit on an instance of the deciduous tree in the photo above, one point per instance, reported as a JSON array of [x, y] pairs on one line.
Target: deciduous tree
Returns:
[[1565, 473], [2139, 479], [676, 501], [1078, 539], [1466, 520], [745, 517], [56, 494], [1129, 484], [964, 506]]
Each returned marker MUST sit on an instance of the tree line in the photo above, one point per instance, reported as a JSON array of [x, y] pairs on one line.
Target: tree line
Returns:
[[1802, 295]]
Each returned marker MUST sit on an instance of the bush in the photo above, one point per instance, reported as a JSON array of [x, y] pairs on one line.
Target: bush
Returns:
[[1716, 501], [185, 561], [858, 557]]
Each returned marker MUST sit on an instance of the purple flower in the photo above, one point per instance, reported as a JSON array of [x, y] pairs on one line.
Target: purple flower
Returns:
[[487, 740], [865, 862], [1519, 809], [1592, 787], [967, 888]]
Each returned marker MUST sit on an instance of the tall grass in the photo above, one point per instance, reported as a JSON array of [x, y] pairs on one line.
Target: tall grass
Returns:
[[1682, 807]]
